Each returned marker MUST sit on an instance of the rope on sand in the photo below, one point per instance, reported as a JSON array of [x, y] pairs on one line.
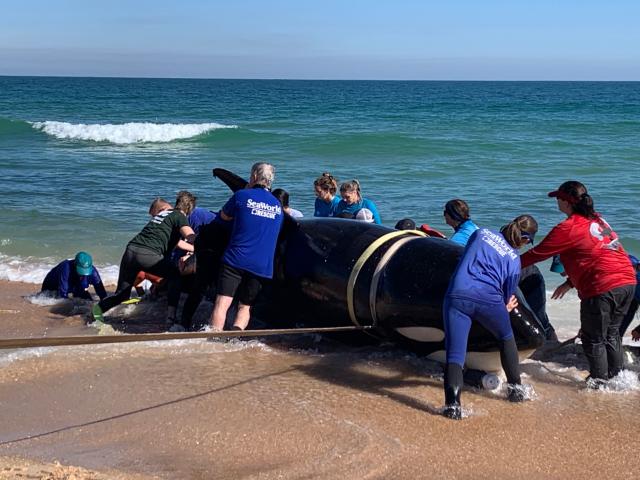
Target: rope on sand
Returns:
[[153, 337]]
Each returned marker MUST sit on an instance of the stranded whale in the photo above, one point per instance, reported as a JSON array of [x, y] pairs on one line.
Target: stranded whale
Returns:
[[334, 272]]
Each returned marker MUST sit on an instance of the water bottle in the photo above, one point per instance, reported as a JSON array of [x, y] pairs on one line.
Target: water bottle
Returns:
[[480, 379], [556, 265], [490, 381]]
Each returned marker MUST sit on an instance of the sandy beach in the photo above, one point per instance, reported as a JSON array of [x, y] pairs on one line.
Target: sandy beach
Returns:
[[285, 408]]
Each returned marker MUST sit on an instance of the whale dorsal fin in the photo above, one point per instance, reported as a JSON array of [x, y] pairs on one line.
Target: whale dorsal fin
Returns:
[[233, 181]]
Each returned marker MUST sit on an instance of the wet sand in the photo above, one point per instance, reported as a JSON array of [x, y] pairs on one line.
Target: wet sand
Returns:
[[303, 408]]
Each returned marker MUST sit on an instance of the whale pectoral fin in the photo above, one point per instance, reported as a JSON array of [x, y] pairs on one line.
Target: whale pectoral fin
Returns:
[[233, 181]]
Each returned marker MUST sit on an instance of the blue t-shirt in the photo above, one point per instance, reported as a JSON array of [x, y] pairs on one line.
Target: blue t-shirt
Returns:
[[64, 280], [463, 232], [257, 217], [200, 217], [489, 269], [197, 219], [326, 209], [344, 207]]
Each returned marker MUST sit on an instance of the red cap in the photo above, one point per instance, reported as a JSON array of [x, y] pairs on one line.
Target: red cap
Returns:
[[563, 196]]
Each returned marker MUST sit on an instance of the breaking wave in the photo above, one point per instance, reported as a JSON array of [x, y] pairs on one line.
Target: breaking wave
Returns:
[[127, 133]]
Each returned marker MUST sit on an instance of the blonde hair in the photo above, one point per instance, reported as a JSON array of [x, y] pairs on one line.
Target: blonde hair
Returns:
[[158, 205], [352, 186]]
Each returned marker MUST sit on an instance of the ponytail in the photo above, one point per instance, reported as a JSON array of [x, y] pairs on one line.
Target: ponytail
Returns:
[[585, 207], [576, 194], [352, 186], [520, 230]]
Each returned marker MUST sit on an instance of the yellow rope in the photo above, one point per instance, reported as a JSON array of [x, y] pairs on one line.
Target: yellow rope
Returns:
[[362, 260]]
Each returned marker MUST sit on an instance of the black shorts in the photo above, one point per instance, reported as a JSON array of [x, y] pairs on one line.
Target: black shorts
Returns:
[[232, 280]]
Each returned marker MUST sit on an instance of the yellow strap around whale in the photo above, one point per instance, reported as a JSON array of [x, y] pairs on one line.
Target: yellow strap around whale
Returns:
[[362, 260]]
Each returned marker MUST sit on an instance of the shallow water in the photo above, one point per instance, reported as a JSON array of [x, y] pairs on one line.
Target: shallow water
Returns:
[[197, 409]]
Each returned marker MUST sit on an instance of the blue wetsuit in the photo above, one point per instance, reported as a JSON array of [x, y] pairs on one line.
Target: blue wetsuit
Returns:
[[463, 232], [326, 209], [344, 207], [64, 280], [482, 284]]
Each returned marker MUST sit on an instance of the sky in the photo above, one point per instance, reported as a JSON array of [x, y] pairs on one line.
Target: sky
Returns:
[[325, 39]]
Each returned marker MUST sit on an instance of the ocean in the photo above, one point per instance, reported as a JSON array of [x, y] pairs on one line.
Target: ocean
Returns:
[[82, 158]]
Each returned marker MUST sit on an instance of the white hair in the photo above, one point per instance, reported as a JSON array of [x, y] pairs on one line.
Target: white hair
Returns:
[[263, 173]]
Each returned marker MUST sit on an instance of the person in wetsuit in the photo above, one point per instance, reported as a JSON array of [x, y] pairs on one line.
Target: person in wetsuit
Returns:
[[456, 215], [482, 290], [325, 187], [352, 201], [73, 277]]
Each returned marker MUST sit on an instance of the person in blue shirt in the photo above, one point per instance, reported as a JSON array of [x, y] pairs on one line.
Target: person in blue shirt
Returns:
[[482, 290], [352, 201], [197, 219], [248, 259], [210, 244], [74, 277], [456, 214], [325, 187]]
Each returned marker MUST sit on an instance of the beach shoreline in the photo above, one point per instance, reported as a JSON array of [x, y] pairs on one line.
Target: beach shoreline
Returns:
[[251, 409]]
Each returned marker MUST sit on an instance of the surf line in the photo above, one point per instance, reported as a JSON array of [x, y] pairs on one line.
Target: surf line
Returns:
[[11, 343], [370, 250]]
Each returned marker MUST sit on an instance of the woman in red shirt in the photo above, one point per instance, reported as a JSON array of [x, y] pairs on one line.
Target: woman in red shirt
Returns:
[[599, 268]]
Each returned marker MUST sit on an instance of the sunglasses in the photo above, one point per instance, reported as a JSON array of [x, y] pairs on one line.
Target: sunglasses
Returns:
[[528, 236]]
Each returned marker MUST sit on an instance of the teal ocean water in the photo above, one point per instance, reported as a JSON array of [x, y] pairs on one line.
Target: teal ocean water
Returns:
[[81, 158]]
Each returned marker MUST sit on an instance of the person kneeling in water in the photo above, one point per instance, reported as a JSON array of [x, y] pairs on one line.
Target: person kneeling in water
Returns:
[[73, 277], [482, 289]]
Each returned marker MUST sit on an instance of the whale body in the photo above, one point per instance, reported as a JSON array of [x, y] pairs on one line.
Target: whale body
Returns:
[[338, 272]]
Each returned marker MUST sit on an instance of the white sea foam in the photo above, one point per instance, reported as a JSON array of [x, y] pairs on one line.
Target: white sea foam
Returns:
[[33, 270], [8, 357], [127, 133]]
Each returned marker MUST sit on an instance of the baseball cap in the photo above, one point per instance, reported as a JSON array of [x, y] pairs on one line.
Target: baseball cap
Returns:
[[365, 214], [406, 224], [84, 263]]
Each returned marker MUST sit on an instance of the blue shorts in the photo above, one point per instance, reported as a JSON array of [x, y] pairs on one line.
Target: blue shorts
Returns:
[[458, 314]]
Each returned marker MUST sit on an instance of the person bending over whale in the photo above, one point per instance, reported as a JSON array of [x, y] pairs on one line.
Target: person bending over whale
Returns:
[[352, 201], [456, 214], [248, 259], [482, 289], [73, 277], [150, 251], [532, 284]]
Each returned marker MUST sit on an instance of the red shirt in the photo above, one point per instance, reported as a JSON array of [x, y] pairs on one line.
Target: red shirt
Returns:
[[591, 253]]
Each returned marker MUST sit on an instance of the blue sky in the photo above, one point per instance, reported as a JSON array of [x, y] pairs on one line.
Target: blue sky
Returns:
[[328, 39]]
